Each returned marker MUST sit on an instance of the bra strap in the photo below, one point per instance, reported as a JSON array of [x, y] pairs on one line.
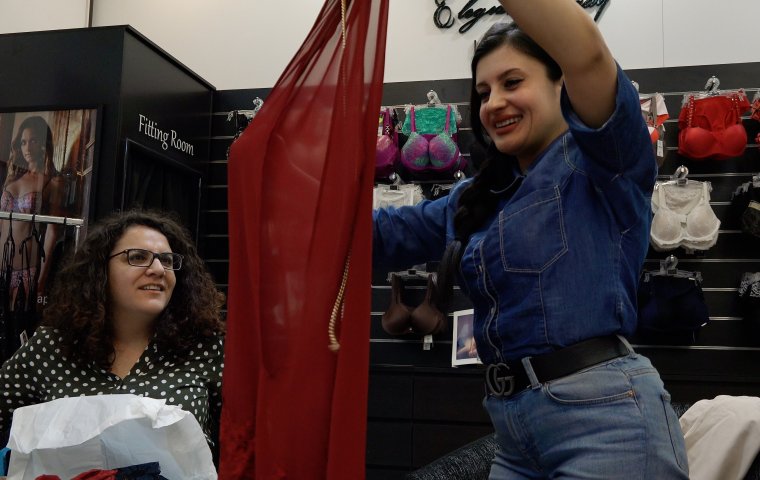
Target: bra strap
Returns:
[[691, 110], [661, 197], [386, 122], [735, 102], [413, 123]]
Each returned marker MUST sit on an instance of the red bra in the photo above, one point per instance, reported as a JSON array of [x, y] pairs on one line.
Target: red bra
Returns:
[[712, 126]]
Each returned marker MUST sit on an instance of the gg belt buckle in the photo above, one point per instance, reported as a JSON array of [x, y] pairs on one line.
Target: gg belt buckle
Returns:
[[499, 381]]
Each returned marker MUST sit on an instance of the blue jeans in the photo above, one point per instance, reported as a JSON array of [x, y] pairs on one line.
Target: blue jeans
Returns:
[[610, 421]]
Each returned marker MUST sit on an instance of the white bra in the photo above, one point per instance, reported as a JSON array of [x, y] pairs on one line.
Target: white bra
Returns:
[[408, 194], [683, 217]]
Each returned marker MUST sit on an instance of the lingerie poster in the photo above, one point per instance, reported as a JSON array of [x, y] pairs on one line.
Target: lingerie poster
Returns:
[[46, 163], [464, 351]]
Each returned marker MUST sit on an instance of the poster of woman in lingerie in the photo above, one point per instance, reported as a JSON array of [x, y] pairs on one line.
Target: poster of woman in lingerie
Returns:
[[46, 161]]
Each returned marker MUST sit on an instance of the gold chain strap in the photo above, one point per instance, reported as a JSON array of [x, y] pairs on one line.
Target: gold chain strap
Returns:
[[343, 21], [334, 346], [337, 309]]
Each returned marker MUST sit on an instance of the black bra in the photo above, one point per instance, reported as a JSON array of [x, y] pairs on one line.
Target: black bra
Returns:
[[425, 319]]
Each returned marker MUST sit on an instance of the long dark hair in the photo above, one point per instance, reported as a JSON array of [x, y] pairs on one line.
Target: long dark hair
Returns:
[[17, 164], [79, 299], [480, 198]]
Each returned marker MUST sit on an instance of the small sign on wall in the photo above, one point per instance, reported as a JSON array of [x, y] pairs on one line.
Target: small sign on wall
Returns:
[[170, 138], [474, 10]]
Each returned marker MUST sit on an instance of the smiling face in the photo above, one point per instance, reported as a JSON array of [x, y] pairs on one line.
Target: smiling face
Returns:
[[519, 103], [139, 294]]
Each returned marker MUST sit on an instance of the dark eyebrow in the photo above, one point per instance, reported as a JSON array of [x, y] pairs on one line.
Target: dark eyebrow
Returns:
[[501, 76]]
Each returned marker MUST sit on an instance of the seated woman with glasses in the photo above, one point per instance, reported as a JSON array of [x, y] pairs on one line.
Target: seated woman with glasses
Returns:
[[133, 311]]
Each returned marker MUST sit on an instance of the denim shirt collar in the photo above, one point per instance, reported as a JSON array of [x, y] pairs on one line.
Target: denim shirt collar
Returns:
[[549, 148]]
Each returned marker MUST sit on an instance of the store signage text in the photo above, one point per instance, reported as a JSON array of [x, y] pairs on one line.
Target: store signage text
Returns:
[[470, 14], [149, 128]]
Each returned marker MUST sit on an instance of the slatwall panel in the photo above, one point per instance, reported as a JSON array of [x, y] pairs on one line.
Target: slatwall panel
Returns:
[[419, 406], [214, 243]]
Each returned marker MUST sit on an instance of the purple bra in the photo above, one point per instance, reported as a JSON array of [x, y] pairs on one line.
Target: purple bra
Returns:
[[386, 151], [430, 152]]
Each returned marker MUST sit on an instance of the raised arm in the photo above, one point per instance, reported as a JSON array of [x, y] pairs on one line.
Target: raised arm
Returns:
[[570, 36]]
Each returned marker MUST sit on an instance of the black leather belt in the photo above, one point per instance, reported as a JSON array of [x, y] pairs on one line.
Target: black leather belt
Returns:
[[505, 379]]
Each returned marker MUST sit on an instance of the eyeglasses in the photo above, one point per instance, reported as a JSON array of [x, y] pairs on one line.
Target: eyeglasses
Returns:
[[138, 257]]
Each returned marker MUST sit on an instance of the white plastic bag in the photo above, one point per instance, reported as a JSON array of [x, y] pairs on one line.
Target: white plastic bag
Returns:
[[69, 436]]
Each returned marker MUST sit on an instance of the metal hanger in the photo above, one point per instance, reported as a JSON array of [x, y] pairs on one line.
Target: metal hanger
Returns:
[[711, 86], [668, 268], [712, 90], [434, 101], [679, 178]]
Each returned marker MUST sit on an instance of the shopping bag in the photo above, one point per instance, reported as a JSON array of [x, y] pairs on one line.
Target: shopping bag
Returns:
[[68, 436]]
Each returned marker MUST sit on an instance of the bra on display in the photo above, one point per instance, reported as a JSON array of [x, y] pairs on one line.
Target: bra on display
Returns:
[[683, 216], [242, 118], [384, 196], [745, 206], [386, 150], [400, 319], [429, 152], [655, 114], [711, 126], [755, 107]]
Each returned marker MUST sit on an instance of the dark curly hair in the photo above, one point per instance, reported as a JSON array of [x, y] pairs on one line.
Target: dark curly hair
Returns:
[[79, 298], [480, 198]]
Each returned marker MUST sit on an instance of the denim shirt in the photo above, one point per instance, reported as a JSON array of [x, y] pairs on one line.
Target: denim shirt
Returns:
[[559, 261]]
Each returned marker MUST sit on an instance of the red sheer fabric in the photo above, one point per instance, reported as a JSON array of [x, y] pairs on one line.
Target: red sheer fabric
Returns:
[[300, 188]]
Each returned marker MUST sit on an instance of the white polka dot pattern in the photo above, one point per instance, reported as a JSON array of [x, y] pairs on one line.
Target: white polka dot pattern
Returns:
[[38, 373]]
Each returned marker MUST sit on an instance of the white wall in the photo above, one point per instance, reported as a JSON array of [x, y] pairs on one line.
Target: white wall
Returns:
[[247, 43], [418, 50], [230, 43], [703, 32], [34, 15]]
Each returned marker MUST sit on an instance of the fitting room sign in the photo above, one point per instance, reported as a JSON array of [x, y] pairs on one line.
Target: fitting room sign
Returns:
[[473, 11], [170, 138]]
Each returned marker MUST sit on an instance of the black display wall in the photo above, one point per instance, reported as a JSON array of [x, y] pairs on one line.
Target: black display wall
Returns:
[[215, 242], [127, 76], [419, 406]]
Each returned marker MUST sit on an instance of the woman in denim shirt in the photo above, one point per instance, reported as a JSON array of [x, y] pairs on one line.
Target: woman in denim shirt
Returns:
[[548, 241]]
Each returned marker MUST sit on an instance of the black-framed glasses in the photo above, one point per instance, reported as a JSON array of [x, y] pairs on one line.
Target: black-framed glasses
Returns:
[[139, 257]]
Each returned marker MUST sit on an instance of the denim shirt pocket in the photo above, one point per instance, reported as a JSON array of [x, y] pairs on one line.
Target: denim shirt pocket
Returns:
[[532, 232]]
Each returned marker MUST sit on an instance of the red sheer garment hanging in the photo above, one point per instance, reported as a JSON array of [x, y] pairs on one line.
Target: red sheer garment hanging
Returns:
[[300, 200]]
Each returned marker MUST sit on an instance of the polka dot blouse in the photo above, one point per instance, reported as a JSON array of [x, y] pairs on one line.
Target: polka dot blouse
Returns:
[[38, 373]]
